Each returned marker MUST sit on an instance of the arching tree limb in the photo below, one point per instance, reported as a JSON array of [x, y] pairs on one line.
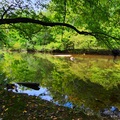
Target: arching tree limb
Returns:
[[52, 24]]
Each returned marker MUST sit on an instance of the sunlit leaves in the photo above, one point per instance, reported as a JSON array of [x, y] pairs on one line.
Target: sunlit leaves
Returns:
[[2, 38], [100, 17], [96, 16]]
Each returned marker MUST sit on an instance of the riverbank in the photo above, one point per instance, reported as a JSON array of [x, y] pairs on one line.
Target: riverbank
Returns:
[[86, 51], [15, 106], [71, 51]]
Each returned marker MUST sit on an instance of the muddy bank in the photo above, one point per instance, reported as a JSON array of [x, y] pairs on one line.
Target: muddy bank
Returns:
[[85, 51], [71, 51]]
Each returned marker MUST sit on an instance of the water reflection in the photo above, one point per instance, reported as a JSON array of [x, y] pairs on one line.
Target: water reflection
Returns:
[[92, 81], [112, 112], [43, 93]]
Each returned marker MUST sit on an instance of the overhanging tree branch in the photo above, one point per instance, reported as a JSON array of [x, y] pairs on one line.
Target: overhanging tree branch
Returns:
[[52, 24]]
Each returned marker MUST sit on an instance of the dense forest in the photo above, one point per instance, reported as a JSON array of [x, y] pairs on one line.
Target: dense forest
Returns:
[[47, 25]]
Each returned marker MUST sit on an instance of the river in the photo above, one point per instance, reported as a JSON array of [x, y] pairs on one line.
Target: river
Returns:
[[87, 82]]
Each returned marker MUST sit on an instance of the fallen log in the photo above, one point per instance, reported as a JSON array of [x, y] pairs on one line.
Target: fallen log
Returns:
[[34, 86]]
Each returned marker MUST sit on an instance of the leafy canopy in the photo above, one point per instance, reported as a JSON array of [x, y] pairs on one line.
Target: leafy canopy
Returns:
[[99, 18]]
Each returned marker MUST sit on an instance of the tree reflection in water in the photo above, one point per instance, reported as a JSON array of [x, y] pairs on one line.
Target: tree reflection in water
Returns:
[[92, 81]]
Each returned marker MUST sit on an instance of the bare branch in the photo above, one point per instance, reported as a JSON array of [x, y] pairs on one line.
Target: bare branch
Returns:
[[5, 11]]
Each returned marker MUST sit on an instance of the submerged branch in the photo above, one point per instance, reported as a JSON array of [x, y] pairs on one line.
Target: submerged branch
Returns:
[[51, 24]]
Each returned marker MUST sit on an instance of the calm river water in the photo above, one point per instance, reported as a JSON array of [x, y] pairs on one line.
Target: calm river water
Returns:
[[87, 82]]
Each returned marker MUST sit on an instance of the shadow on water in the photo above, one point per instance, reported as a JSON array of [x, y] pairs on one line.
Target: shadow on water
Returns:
[[87, 82]]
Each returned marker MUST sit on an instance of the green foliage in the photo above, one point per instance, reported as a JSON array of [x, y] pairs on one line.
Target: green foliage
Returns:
[[3, 38], [100, 17], [95, 16], [14, 40]]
